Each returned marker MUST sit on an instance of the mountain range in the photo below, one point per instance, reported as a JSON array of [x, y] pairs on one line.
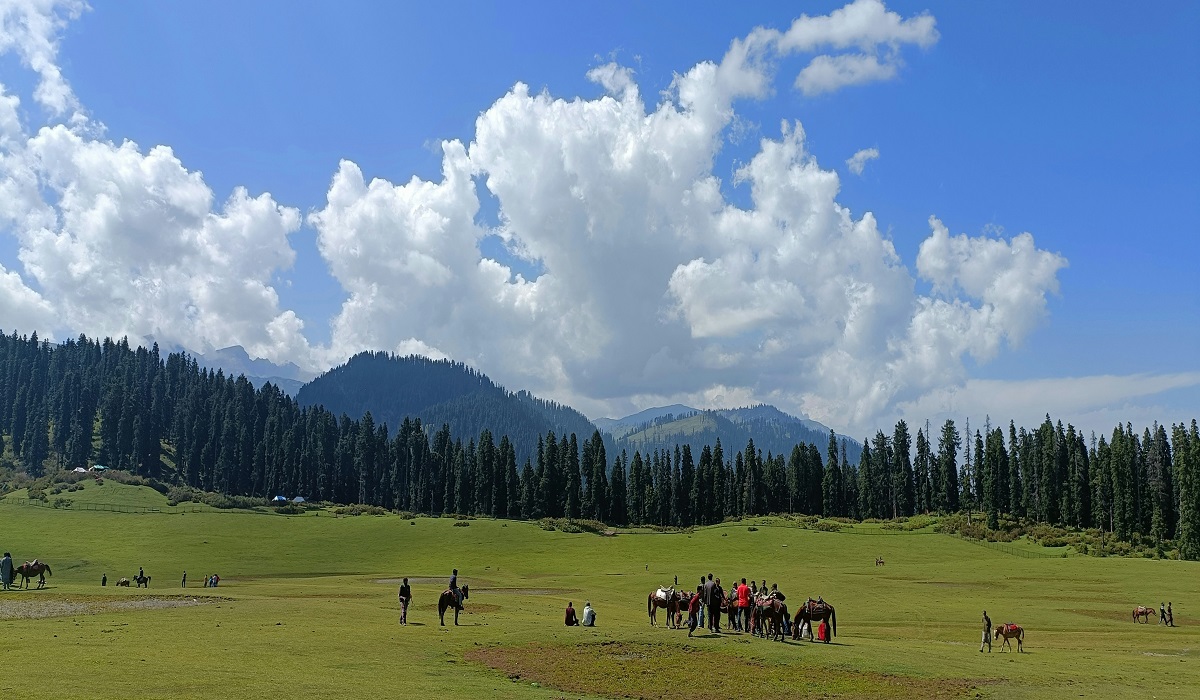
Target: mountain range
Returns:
[[440, 392]]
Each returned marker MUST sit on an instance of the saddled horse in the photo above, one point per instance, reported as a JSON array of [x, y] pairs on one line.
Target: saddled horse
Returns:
[[814, 611], [1144, 613], [33, 568], [122, 582], [448, 600], [769, 615], [141, 581], [1010, 631], [669, 599]]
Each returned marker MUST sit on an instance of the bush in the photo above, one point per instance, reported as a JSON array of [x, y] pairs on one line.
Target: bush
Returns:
[[61, 502], [359, 509], [462, 523], [752, 529], [829, 526]]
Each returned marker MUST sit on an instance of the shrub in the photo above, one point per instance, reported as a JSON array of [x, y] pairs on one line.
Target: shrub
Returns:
[[752, 529], [462, 523], [829, 526], [359, 509]]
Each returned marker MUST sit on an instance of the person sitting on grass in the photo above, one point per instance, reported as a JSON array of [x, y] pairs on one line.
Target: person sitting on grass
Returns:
[[589, 614], [571, 620]]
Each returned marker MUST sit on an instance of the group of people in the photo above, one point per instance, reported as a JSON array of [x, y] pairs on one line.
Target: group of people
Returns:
[[8, 571], [1165, 616], [739, 603], [589, 615]]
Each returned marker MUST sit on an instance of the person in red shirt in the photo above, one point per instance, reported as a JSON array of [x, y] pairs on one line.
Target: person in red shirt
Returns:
[[571, 620], [823, 632], [693, 613], [743, 596]]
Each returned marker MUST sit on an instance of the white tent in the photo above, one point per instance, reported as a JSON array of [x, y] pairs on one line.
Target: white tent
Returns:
[[298, 499]]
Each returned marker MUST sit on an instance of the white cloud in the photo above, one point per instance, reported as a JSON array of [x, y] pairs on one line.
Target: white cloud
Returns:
[[865, 25], [124, 242], [30, 29], [1092, 404], [654, 283], [858, 162]]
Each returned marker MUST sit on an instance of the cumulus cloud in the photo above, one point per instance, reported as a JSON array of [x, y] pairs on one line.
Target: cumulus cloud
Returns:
[[858, 162], [652, 283], [121, 241], [871, 37]]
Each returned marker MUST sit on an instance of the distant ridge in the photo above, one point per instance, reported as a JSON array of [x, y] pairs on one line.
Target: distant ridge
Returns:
[[440, 392]]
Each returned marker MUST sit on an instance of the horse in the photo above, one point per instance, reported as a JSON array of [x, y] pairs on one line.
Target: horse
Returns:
[[33, 568], [814, 611], [1143, 612], [1011, 631], [123, 582], [670, 601], [878, 561], [773, 612], [449, 600], [141, 581]]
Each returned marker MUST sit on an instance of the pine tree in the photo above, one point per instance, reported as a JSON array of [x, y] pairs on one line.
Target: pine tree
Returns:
[[903, 485], [947, 461], [924, 487], [831, 486], [1186, 447]]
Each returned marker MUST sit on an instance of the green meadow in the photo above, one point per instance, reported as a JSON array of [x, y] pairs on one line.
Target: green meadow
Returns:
[[307, 604]]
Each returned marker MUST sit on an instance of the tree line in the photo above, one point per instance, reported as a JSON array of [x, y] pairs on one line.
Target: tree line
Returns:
[[86, 401]]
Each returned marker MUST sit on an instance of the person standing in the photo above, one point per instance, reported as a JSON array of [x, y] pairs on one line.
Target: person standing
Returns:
[[718, 598], [6, 571], [1162, 613], [104, 579], [405, 596], [987, 633], [706, 598], [1170, 615], [743, 597], [184, 582]]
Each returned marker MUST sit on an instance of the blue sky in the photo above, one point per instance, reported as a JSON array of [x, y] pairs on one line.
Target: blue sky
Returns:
[[1072, 122]]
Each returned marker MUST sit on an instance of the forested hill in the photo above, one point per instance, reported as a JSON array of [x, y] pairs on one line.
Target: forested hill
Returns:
[[772, 431], [440, 392]]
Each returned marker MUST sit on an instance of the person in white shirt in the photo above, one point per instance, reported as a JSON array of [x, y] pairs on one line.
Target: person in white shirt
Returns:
[[589, 615]]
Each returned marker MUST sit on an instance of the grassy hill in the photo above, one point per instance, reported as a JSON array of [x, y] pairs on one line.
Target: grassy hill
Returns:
[[307, 604]]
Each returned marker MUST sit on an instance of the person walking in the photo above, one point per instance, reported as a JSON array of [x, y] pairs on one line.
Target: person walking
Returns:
[[6, 571], [1162, 613], [694, 611], [405, 596], [1170, 615], [987, 633]]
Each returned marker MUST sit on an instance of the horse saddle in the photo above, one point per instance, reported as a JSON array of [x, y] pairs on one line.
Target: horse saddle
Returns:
[[815, 608], [664, 593], [1010, 627]]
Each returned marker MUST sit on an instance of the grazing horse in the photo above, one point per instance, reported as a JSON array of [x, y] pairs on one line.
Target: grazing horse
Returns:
[[449, 600], [141, 581], [1011, 631], [33, 568], [814, 611], [878, 561], [1143, 612], [123, 582], [669, 600]]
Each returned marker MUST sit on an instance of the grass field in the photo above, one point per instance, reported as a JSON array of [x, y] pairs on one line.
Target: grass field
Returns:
[[307, 605]]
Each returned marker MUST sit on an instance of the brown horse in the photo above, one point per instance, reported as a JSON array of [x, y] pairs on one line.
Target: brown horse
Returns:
[[123, 582], [769, 612], [670, 602], [1144, 613], [449, 600], [1011, 631], [33, 568], [814, 611]]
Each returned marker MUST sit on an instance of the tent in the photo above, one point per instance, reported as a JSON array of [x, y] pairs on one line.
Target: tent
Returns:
[[279, 499], [98, 468], [298, 499], [79, 470]]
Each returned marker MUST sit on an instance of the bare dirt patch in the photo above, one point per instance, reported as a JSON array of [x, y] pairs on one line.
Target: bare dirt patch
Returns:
[[64, 607], [632, 670]]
